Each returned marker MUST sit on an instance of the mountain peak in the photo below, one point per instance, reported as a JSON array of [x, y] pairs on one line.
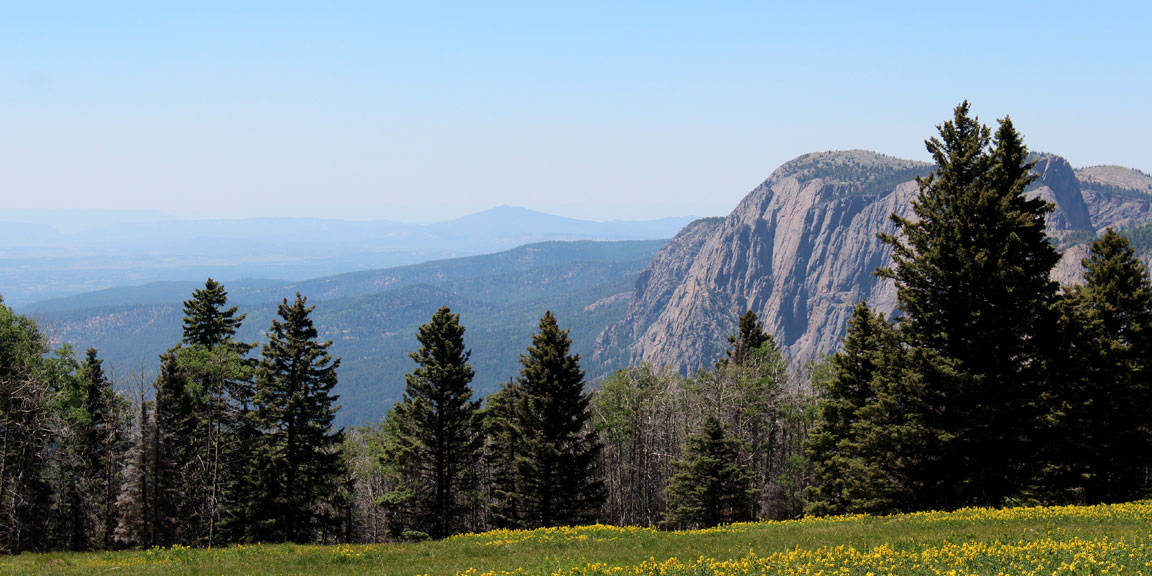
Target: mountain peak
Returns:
[[1117, 177]]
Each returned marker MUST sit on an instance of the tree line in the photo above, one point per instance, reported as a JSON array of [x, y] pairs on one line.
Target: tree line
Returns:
[[989, 386], [229, 447], [233, 444], [545, 451]]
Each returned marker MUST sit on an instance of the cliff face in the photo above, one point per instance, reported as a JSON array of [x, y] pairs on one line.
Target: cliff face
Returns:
[[1116, 196], [800, 251], [1057, 183], [655, 288]]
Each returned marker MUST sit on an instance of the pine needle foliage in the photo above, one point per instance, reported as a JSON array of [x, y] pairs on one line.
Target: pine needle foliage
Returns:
[[436, 442], [833, 446], [711, 487], [299, 459], [206, 320], [1103, 420], [556, 465], [972, 274]]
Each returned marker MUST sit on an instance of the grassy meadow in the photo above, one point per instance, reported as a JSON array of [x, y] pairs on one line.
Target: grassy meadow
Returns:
[[1114, 539]]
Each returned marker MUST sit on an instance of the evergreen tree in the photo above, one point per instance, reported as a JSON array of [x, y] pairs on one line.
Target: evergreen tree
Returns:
[[73, 511], [751, 336], [557, 479], [748, 393], [1104, 446], [28, 380], [206, 321], [299, 459], [242, 483], [102, 451], [833, 448], [438, 441], [972, 274], [501, 417], [900, 463], [711, 487], [221, 390], [175, 519]]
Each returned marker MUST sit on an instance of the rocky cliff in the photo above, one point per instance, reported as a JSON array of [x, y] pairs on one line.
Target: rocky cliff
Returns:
[[800, 251]]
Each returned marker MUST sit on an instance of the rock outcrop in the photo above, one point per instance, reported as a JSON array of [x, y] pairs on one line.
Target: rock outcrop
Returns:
[[1057, 183], [800, 250], [654, 289], [1116, 196]]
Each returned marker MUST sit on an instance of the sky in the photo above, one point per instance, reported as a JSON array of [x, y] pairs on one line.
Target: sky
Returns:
[[425, 111]]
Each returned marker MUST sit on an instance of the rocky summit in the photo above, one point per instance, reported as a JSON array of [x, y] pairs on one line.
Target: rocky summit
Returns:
[[800, 250]]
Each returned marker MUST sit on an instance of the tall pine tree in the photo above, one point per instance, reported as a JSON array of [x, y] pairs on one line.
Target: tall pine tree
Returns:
[[502, 447], [711, 487], [175, 517], [557, 480], [437, 439], [833, 448], [751, 336], [222, 392], [299, 458], [1104, 444], [206, 320], [103, 450], [972, 275]]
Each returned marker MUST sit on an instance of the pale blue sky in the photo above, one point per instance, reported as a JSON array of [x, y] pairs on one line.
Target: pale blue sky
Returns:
[[427, 110]]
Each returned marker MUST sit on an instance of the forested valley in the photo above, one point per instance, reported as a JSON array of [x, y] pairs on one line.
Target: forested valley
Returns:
[[991, 385]]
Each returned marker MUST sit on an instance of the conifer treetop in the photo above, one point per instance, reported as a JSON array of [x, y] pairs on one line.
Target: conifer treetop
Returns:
[[206, 321]]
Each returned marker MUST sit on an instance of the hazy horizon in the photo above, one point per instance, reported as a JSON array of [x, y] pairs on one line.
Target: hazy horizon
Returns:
[[427, 112], [74, 220]]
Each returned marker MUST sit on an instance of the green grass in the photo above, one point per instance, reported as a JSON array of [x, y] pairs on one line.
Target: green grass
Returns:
[[1059, 540]]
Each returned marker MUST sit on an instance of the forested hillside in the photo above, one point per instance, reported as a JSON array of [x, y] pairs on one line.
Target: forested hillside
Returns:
[[372, 316]]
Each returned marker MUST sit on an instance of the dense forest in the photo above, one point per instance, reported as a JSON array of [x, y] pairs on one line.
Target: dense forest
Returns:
[[990, 386]]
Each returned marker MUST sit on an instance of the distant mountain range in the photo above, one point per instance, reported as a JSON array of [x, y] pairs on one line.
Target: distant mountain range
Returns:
[[46, 254]]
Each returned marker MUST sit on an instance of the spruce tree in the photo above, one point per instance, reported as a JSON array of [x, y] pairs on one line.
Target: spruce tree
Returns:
[[1104, 442], [711, 487], [222, 376], [556, 469], [501, 416], [832, 446], [175, 515], [299, 458], [102, 450], [751, 336], [437, 442], [27, 384], [972, 275], [206, 320]]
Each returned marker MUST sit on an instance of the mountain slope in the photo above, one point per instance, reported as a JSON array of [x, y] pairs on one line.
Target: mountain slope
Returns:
[[800, 251], [372, 317]]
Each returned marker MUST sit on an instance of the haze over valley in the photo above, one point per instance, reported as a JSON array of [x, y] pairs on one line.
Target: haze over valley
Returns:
[[47, 254]]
